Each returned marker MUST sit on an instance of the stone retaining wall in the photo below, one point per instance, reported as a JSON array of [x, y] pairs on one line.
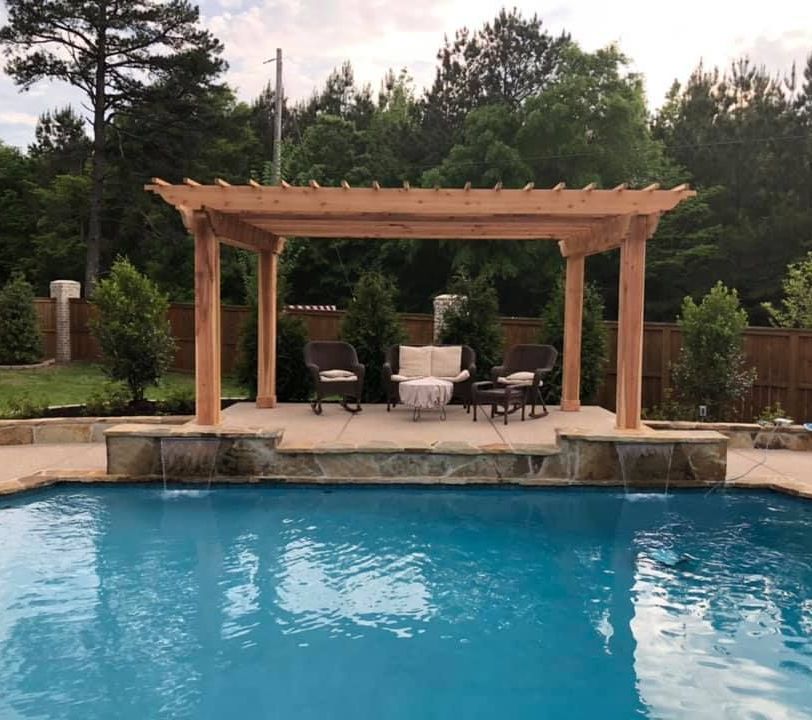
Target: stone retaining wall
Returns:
[[746, 435], [73, 430], [252, 454]]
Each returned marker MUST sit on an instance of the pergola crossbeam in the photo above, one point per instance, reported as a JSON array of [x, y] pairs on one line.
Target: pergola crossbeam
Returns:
[[258, 218], [230, 230], [608, 235]]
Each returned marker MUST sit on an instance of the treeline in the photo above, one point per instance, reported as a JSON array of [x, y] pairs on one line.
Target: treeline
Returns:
[[510, 102]]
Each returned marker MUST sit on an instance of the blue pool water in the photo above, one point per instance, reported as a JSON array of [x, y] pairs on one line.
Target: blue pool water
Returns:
[[121, 602]]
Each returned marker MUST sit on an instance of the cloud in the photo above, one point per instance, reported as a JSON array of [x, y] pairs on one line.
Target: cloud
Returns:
[[664, 41], [10, 117]]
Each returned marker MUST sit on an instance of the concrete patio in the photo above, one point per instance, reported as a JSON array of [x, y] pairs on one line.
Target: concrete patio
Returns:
[[303, 429]]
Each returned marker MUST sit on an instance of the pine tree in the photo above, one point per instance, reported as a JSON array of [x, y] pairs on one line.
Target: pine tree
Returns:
[[371, 325], [594, 342], [474, 320], [106, 49]]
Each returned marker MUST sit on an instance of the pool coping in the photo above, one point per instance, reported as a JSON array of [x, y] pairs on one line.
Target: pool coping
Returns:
[[48, 478]]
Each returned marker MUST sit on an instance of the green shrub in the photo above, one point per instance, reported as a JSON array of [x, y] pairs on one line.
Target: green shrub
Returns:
[[771, 412], [594, 342], [112, 398], [22, 407], [711, 369], [796, 306], [292, 380], [179, 400], [371, 325], [670, 409], [20, 338], [132, 328], [474, 320]]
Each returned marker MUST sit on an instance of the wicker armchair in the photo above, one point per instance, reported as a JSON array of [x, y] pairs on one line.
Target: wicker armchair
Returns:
[[462, 380], [335, 370], [526, 365]]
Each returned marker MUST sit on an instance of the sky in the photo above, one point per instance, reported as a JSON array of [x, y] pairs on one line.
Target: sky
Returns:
[[665, 41]]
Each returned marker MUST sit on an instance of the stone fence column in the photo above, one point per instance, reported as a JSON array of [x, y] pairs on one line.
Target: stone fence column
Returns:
[[442, 303], [62, 291]]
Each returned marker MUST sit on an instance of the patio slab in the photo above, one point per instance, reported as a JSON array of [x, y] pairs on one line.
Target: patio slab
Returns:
[[375, 426]]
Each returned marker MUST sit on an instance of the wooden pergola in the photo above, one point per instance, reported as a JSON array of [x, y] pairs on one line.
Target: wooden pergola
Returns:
[[259, 218]]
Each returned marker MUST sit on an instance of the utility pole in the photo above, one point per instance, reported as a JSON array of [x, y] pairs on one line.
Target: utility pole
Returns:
[[276, 165]]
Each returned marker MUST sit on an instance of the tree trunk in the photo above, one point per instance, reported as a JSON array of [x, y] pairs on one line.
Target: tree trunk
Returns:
[[99, 166]]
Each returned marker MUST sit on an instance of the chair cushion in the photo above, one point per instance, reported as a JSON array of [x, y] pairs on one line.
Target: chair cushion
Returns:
[[337, 373], [518, 378], [445, 361], [414, 362], [459, 377], [324, 377]]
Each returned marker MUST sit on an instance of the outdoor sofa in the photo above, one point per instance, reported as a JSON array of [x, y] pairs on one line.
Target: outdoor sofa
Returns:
[[455, 363]]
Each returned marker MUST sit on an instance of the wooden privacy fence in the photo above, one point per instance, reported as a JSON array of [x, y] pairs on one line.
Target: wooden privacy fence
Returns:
[[782, 358]]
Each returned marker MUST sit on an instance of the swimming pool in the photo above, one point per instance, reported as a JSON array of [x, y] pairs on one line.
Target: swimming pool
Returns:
[[404, 603]]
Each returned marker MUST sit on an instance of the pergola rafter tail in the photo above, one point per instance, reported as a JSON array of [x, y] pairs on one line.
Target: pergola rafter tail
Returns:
[[258, 217]]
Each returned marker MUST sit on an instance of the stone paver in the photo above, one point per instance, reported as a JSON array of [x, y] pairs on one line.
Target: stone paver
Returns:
[[787, 470], [22, 460]]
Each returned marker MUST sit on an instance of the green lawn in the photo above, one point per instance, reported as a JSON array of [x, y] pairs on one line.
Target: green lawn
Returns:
[[73, 384]]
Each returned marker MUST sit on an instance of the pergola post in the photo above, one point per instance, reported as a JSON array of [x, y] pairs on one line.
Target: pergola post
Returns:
[[631, 299], [266, 341], [207, 321], [573, 317]]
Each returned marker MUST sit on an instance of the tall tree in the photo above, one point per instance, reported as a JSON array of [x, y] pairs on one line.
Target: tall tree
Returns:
[[61, 145], [109, 50], [506, 61]]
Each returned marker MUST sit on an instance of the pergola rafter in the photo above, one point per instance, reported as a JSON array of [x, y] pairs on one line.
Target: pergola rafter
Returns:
[[258, 218]]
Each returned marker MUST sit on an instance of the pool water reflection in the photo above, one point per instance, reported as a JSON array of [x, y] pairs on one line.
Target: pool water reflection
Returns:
[[404, 603]]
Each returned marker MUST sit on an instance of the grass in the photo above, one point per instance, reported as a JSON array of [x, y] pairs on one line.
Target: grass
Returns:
[[73, 384]]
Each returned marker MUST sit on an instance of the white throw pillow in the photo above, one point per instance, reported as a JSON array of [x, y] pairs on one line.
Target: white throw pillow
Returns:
[[414, 362], [459, 377], [337, 373], [522, 377], [445, 361]]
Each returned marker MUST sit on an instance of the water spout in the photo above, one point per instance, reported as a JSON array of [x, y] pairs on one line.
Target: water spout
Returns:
[[641, 458], [189, 457]]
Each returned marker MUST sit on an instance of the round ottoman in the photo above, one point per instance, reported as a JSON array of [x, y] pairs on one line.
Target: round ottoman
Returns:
[[429, 393]]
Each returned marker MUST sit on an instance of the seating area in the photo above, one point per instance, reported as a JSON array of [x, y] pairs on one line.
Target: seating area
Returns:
[[455, 364], [430, 377]]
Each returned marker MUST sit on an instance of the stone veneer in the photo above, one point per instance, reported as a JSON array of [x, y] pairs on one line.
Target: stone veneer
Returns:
[[63, 291], [746, 435], [646, 459], [194, 453], [73, 430]]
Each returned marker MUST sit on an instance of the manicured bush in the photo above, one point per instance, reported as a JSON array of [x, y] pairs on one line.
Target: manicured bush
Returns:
[[474, 320], [20, 338], [594, 342], [132, 328], [371, 325], [711, 369]]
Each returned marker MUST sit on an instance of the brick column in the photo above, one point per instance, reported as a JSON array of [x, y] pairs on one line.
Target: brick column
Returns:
[[441, 305], [62, 291]]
